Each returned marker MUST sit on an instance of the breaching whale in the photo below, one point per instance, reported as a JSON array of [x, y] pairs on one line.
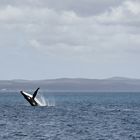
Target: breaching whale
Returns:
[[32, 98]]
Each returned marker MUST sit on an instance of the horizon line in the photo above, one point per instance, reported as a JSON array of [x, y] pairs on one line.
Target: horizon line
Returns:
[[111, 78]]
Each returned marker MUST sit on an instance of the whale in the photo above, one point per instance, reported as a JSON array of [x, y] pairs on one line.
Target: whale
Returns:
[[32, 98]]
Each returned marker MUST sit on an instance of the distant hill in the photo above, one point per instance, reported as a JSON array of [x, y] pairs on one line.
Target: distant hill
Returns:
[[110, 84]]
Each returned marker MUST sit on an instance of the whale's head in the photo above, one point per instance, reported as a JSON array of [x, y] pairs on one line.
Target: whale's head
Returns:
[[26, 96]]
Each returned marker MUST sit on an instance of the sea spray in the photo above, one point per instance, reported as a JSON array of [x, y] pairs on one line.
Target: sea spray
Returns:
[[50, 101], [46, 101], [42, 100]]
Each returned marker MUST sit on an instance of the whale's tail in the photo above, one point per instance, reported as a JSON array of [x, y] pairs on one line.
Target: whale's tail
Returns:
[[35, 93]]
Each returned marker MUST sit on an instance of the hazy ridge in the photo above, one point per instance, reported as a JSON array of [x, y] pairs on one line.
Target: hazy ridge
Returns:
[[109, 84]]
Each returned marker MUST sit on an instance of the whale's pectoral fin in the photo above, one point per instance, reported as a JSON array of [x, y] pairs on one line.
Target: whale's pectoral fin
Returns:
[[35, 93]]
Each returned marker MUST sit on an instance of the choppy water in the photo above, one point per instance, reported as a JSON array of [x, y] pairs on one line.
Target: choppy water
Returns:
[[72, 116]]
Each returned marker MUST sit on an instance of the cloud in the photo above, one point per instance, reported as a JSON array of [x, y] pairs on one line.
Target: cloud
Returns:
[[126, 14], [89, 29], [82, 7]]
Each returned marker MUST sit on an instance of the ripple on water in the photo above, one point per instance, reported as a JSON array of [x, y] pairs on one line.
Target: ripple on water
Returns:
[[80, 119]]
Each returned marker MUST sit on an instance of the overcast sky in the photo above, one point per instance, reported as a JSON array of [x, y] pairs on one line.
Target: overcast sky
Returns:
[[43, 39]]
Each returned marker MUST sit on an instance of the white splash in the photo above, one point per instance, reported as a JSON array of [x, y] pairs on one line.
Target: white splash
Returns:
[[45, 102], [51, 101], [41, 100]]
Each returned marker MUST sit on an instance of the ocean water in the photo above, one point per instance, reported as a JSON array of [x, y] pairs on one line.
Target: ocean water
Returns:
[[71, 116]]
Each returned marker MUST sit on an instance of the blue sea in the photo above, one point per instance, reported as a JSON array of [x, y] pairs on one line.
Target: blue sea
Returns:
[[71, 116]]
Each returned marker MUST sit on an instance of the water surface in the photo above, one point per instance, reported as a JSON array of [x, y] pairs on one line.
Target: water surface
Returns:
[[71, 116]]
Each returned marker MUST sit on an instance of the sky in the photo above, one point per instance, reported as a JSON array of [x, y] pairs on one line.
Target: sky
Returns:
[[47, 39]]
